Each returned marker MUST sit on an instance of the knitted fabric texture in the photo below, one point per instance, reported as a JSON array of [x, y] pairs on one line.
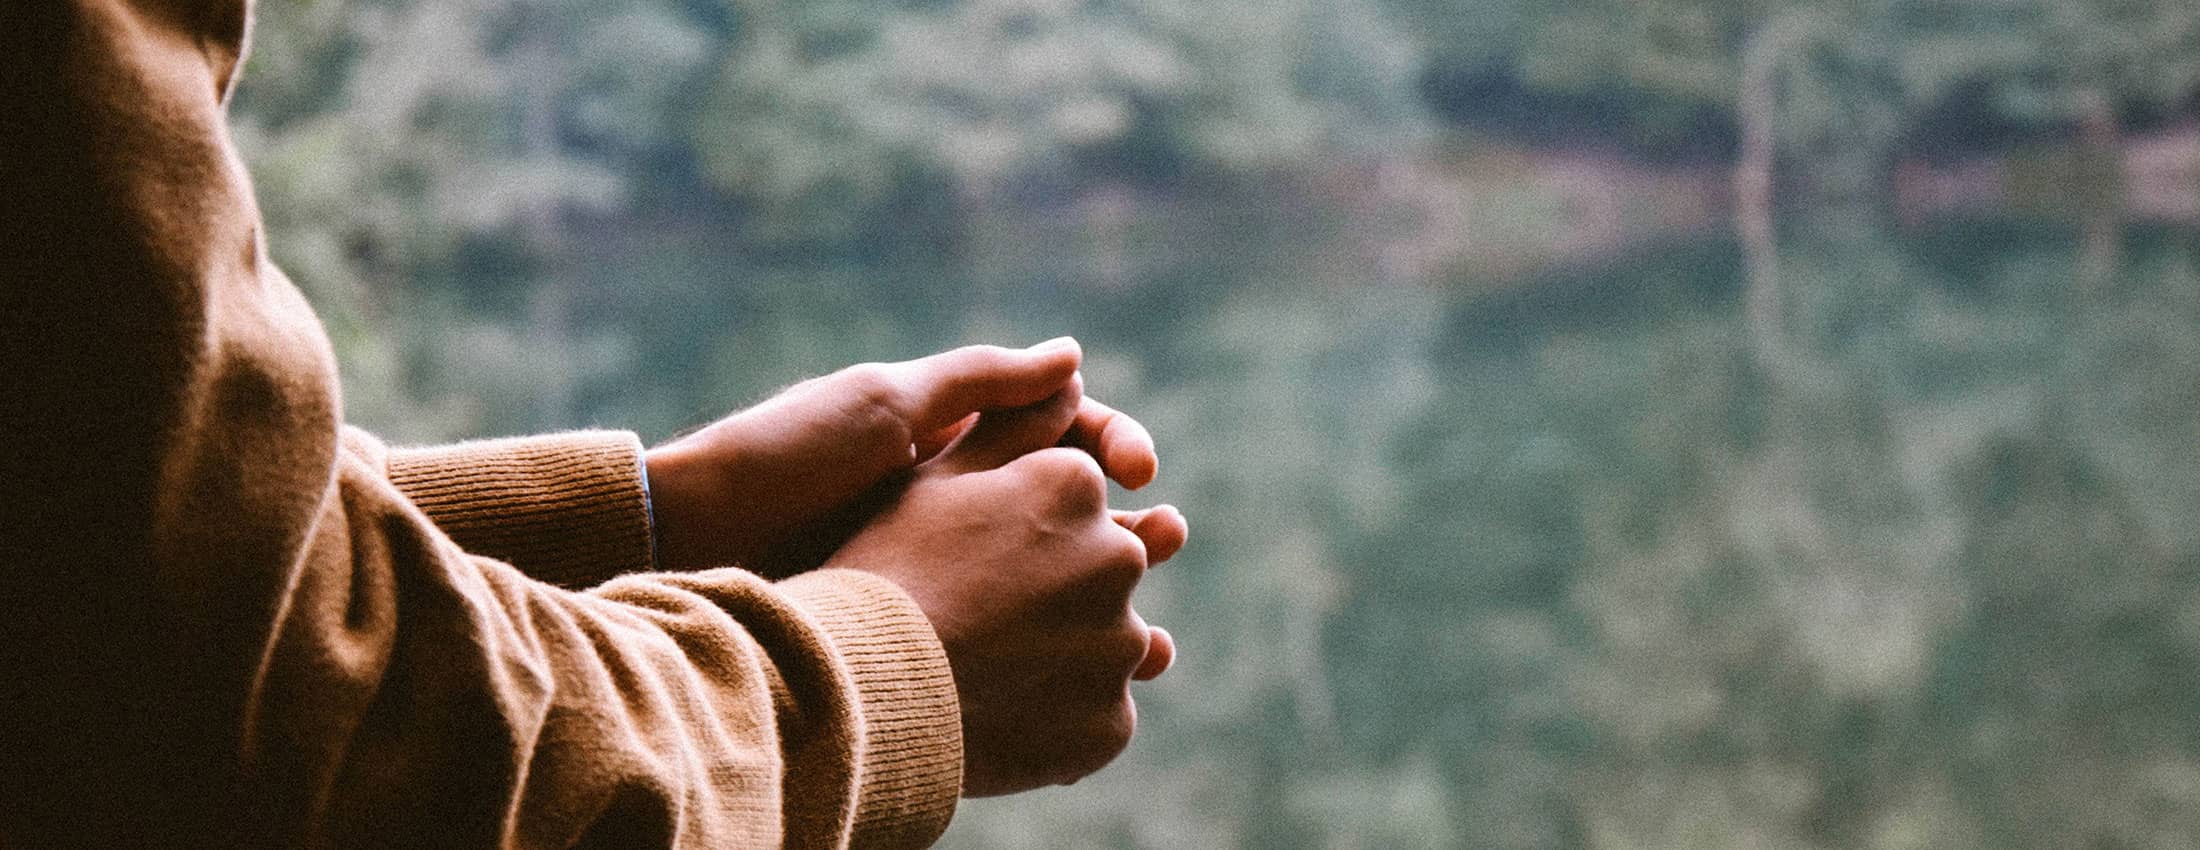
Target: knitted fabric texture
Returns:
[[562, 508], [227, 620]]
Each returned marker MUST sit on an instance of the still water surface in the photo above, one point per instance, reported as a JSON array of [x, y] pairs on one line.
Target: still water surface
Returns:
[[1599, 559]]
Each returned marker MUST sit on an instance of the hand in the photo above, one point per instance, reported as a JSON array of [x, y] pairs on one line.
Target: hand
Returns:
[[1009, 548], [777, 487]]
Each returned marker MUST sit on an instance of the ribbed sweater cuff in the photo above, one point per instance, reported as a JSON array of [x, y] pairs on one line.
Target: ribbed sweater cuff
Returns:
[[912, 723], [569, 509]]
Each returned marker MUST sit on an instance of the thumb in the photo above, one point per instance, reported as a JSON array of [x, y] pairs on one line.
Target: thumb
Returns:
[[1001, 436], [942, 389]]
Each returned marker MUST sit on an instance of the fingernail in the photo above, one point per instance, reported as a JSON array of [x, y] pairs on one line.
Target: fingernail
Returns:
[[1060, 343]]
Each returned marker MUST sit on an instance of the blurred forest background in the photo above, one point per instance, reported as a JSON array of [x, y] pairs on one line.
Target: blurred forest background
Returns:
[[1669, 423]]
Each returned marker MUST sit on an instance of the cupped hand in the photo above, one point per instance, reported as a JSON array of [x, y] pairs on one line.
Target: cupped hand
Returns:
[[779, 486], [1007, 544]]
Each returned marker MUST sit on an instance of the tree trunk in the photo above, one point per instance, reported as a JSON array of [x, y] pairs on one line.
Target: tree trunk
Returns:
[[1755, 176]]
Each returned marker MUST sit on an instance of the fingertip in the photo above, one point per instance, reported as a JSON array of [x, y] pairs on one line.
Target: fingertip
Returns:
[[1160, 655], [1061, 407], [1129, 451], [1057, 345], [1176, 516], [1164, 531], [1052, 362], [1132, 468], [945, 387]]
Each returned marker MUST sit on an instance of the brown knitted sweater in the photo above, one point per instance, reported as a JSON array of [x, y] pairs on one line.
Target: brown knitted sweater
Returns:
[[226, 620]]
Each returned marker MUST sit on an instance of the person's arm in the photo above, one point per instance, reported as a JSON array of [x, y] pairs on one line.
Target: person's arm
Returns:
[[774, 488], [221, 625], [570, 509]]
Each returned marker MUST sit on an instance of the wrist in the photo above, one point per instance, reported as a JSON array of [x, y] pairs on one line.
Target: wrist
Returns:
[[678, 488], [649, 507]]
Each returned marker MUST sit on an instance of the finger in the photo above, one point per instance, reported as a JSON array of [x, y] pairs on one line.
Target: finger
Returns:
[[1160, 655], [1122, 445], [928, 445], [1001, 436], [939, 390], [1161, 528]]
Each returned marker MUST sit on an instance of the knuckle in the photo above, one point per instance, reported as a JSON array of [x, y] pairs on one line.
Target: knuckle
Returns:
[[1127, 552], [1112, 732], [874, 397], [1120, 565], [1125, 649], [870, 382], [1073, 475], [1098, 740]]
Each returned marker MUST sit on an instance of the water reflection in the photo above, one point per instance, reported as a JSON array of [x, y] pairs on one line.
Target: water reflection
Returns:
[[1600, 560]]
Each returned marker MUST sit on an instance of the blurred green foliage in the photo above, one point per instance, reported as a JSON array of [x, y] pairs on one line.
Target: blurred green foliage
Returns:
[[827, 113], [1511, 529]]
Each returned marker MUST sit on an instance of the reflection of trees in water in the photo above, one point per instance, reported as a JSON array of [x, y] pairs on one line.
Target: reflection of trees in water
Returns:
[[1274, 404], [2081, 661], [1894, 591], [1621, 583]]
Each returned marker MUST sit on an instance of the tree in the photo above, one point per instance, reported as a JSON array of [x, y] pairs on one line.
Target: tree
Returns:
[[397, 144], [826, 114]]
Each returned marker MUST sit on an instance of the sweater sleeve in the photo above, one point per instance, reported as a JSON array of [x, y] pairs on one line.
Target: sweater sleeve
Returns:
[[223, 625], [570, 509]]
